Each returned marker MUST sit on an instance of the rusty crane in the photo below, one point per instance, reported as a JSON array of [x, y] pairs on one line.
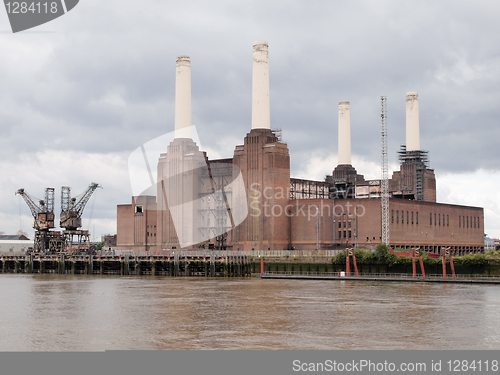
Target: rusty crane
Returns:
[[46, 240], [77, 240]]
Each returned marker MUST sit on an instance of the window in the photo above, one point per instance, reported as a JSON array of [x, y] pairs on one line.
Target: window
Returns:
[[439, 219], [435, 222], [407, 217], [349, 234], [459, 221], [447, 220], [467, 222], [412, 217], [392, 215], [431, 218], [340, 234], [463, 221], [340, 224], [345, 225], [344, 234], [417, 217], [349, 224], [138, 209], [397, 217], [474, 221]]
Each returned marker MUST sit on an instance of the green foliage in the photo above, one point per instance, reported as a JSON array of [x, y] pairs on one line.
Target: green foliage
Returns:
[[99, 246], [364, 256], [493, 254], [400, 250], [403, 260], [339, 258], [471, 260], [428, 261], [383, 254]]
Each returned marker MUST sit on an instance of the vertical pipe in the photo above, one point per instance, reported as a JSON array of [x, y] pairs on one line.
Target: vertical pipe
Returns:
[[347, 263], [183, 97], [261, 109]]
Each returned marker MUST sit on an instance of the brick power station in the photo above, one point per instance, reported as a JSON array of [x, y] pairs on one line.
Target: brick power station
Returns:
[[249, 202]]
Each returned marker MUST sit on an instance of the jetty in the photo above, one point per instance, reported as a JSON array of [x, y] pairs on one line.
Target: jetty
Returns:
[[406, 277], [204, 265]]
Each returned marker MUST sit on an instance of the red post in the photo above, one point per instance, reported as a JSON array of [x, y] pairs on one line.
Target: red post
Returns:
[[347, 264], [452, 267], [414, 267], [444, 266], [261, 266], [422, 266], [355, 265]]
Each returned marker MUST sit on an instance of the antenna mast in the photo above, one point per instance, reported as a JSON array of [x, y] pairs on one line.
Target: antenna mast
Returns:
[[385, 173]]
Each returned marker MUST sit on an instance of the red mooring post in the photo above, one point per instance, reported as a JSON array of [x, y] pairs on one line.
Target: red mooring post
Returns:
[[414, 267], [422, 266], [452, 267], [347, 263], [261, 266], [355, 265], [444, 267]]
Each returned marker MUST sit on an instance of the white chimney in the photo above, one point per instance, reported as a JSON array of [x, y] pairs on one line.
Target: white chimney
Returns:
[[344, 133], [261, 111], [412, 122], [183, 97]]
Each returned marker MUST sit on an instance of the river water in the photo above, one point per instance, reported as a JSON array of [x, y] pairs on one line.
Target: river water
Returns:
[[95, 313]]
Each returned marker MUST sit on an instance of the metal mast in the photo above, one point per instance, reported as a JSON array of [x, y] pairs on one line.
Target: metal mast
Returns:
[[385, 173]]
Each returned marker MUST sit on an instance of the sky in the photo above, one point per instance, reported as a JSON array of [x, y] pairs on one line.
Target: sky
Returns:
[[79, 94]]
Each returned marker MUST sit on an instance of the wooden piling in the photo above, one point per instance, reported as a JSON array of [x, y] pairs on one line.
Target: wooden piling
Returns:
[[153, 267]]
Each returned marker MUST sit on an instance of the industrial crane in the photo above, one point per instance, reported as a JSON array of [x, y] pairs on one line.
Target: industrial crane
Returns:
[[71, 210], [71, 219], [43, 213]]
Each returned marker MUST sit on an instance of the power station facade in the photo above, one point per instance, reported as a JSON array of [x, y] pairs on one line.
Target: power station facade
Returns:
[[250, 202]]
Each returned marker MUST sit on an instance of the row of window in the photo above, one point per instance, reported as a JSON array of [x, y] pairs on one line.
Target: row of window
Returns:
[[347, 234], [437, 220], [434, 219], [463, 221], [345, 223], [414, 217]]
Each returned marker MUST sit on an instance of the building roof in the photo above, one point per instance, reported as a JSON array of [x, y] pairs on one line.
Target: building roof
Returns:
[[15, 237]]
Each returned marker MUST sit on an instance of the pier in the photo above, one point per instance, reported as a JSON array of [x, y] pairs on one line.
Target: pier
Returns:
[[435, 278], [203, 265]]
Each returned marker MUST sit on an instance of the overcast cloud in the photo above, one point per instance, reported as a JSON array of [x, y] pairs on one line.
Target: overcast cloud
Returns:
[[79, 94]]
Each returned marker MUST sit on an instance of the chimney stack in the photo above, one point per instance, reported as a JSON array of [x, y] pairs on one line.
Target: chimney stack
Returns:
[[183, 97], [344, 133], [261, 111], [412, 122]]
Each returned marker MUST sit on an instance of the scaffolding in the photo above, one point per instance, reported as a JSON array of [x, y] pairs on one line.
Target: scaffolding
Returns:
[[308, 189], [216, 218], [420, 160], [385, 173]]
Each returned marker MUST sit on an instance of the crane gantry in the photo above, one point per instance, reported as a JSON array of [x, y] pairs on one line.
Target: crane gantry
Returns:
[[51, 241]]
